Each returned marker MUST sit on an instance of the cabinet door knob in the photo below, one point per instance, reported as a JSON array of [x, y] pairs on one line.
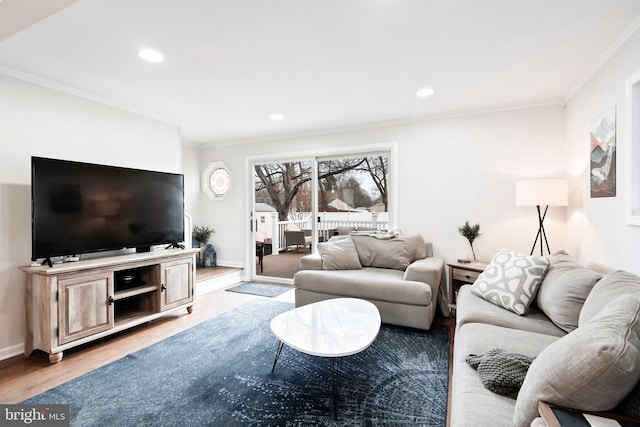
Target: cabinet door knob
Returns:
[[163, 287]]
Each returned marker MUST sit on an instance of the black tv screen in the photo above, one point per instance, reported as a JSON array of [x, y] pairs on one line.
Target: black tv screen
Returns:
[[79, 208]]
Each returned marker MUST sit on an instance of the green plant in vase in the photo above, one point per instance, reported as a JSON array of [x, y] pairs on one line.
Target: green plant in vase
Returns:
[[202, 233], [470, 232]]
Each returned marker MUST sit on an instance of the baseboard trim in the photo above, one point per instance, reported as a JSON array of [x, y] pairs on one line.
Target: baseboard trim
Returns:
[[12, 351], [219, 282], [234, 264]]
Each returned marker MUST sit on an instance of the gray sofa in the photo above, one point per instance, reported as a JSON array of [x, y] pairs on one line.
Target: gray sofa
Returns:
[[583, 330], [399, 275]]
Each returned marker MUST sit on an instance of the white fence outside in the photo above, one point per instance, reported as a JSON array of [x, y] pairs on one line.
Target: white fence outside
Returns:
[[328, 222]]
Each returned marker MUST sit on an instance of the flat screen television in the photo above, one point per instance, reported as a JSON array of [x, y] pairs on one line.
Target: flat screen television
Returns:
[[79, 208]]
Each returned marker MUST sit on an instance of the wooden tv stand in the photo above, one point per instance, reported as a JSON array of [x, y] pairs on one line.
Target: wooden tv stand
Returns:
[[77, 302]]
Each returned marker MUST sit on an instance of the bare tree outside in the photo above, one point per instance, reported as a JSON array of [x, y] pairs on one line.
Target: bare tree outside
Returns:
[[280, 183], [378, 168], [287, 185]]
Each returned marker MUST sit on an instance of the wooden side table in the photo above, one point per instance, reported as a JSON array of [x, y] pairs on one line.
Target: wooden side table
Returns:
[[461, 273]]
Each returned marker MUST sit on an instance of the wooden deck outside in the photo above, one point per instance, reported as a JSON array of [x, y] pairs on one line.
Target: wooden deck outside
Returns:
[[284, 265]]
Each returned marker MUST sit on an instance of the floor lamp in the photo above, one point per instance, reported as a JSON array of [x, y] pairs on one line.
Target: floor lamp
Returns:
[[542, 192]]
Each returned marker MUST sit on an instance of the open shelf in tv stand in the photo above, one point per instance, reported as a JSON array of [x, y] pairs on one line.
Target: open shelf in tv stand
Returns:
[[74, 303]]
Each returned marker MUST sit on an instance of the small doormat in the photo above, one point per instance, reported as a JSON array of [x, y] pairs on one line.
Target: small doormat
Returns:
[[261, 289]]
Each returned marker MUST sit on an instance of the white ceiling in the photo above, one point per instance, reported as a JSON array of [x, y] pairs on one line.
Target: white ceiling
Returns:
[[324, 64]]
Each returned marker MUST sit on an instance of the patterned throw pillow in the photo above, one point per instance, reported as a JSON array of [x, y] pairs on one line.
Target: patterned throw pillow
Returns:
[[511, 280]]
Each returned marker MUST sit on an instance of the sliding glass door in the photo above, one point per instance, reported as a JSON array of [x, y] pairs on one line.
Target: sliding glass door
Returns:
[[298, 203], [282, 216]]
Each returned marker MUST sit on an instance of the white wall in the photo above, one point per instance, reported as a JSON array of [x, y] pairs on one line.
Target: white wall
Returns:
[[450, 170], [191, 170], [598, 226], [36, 121]]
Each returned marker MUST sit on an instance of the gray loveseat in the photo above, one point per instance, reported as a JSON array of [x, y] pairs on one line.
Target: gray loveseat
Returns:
[[583, 329], [398, 274]]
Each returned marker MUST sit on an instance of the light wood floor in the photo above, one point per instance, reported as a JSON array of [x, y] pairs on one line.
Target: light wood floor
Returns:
[[22, 378]]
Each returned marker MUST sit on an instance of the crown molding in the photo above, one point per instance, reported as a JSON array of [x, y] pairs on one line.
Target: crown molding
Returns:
[[284, 136], [556, 101], [50, 84], [629, 31]]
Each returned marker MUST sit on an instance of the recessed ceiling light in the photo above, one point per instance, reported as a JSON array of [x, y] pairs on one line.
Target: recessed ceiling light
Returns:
[[276, 116], [424, 92], [151, 55]]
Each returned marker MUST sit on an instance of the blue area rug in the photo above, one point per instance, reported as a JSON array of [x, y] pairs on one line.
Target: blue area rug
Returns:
[[261, 289], [218, 373]]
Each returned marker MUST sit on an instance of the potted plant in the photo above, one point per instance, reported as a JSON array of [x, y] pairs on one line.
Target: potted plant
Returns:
[[201, 233], [470, 232]]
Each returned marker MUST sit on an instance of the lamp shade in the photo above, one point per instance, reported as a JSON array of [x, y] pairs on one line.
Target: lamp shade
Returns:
[[542, 192]]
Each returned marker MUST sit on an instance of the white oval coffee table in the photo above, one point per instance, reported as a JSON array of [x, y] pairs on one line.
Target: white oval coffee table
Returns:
[[332, 328]]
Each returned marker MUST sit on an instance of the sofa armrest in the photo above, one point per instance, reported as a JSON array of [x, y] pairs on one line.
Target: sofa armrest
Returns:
[[427, 270], [311, 262]]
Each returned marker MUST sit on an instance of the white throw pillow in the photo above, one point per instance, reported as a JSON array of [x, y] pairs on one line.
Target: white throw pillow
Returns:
[[511, 280], [339, 254]]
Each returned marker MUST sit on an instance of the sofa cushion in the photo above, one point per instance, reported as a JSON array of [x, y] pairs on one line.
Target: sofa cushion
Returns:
[[608, 288], [591, 369], [339, 255], [471, 403], [368, 283], [396, 253], [500, 371], [474, 309], [511, 280], [478, 338], [564, 289]]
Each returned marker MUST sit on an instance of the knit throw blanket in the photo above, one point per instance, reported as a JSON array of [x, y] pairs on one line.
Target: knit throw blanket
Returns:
[[382, 235], [501, 372]]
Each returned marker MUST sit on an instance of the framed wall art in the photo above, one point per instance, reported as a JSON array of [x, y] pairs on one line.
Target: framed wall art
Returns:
[[603, 154]]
